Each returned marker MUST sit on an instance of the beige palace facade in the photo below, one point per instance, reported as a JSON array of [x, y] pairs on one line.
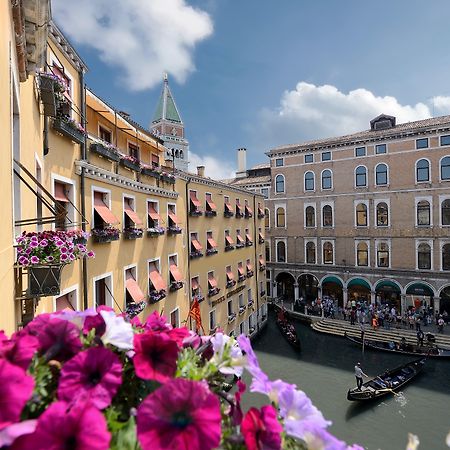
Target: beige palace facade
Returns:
[[364, 216], [162, 238]]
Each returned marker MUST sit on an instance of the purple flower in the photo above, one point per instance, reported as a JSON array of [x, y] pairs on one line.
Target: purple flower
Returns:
[[155, 322], [91, 254], [261, 429], [76, 317], [59, 243], [95, 373], [64, 257], [28, 250], [72, 257], [19, 350], [34, 260], [43, 243], [24, 261], [9, 434], [317, 438], [34, 244], [49, 258], [64, 250]]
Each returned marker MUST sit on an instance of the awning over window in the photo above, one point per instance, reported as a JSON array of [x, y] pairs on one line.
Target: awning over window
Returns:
[[229, 240], [134, 290], [261, 236], [248, 237], [211, 205], [261, 261], [228, 207], [241, 270], [239, 238], [153, 213], [196, 244], [102, 209], [249, 266], [173, 218], [60, 193], [194, 283], [131, 213], [212, 243], [155, 278], [175, 272], [238, 205], [211, 280], [248, 209], [194, 199], [230, 274], [63, 303]]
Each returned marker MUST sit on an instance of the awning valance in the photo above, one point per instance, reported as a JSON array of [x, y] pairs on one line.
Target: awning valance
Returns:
[[173, 218], [194, 199], [131, 213], [196, 244], [60, 193], [212, 281], [153, 213], [155, 278], [229, 240], [134, 290], [175, 272], [212, 243]]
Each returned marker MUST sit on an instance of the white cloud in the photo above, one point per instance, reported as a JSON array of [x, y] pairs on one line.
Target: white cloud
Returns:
[[312, 112], [141, 38], [214, 167]]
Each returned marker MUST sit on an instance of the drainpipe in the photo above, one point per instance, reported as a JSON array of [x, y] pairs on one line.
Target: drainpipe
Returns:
[[188, 249], [46, 148], [83, 147], [256, 268]]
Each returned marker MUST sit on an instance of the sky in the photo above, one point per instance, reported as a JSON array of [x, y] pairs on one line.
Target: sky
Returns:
[[262, 73]]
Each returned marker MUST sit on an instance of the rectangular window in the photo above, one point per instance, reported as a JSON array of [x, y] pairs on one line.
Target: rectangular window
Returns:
[[175, 318], [309, 158], [360, 151], [380, 149], [422, 143], [265, 192], [445, 140], [230, 307], [105, 134], [212, 320], [103, 291], [133, 150], [326, 156], [61, 193], [279, 162]]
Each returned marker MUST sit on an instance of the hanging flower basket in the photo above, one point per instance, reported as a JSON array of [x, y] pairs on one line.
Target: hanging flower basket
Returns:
[[105, 151], [70, 129], [44, 280], [131, 163]]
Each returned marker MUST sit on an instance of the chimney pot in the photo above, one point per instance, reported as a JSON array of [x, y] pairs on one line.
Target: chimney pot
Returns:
[[201, 171], [241, 163]]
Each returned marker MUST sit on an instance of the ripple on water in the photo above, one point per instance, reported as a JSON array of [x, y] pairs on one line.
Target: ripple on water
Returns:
[[401, 399]]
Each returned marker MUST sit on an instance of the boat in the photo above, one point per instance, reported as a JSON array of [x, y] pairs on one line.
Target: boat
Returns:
[[287, 329], [402, 347], [387, 383]]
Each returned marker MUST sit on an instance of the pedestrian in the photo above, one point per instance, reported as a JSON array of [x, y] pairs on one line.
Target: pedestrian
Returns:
[[374, 323], [420, 337], [363, 330], [359, 374], [441, 323], [352, 317]]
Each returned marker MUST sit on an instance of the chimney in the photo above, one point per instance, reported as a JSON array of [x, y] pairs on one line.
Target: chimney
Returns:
[[201, 171], [241, 163]]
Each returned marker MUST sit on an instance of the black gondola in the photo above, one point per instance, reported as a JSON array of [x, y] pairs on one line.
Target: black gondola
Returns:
[[402, 347], [288, 330], [387, 383]]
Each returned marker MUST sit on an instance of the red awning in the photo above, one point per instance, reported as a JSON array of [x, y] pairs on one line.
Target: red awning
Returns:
[[249, 210], [239, 238], [103, 210], [229, 240], [196, 245], [175, 272], [230, 274], [212, 243], [212, 281], [156, 279], [194, 199], [134, 290], [60, 193], [131, 213], [194, 283], [212, 206], [241, 270], [63, 303], [248, 237], [228, 207], [173, 218], [249, 266], [153, 213], [261, 260]]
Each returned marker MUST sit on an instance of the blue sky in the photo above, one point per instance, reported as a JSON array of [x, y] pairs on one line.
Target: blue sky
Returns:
[[258, 74]]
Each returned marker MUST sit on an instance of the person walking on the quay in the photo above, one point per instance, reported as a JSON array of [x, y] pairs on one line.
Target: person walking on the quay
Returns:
[[420, 337], [440, 324], [352, 317], [359, 374]]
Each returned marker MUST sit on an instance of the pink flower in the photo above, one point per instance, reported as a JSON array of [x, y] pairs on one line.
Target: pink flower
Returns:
[[261, 429], [16, 388], [34, 260], [156, 356], [19, 350], [64, 257], [155, 322], [180, 415], [9, 434], [61, 427], [24, 261], [91, 254], [96, 373]]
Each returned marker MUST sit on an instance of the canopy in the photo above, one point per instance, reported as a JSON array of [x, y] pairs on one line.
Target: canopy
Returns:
[[229, 240], [194, 283], [212, 243], [332, 279], [131, 214], [261, 260], [175, 272], [103, 210], [249, 265], [212, 281], [155, 278], [241, 270], [249, 210], [211, 205], [239, 238], [196, 244], [173, 218], [387, 285], [248, 237], [359, 282], [194, 199], [230, 274], [420, 289], [60, 193], [153, 213], [134, 290]]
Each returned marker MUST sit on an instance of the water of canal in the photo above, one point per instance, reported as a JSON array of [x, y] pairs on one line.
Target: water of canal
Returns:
[[324, 370]]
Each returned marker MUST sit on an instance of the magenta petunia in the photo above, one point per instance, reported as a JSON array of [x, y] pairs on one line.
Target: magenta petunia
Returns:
[[155, 322], [156, 356], [261, 429], [16, 388], [96, 373], [180, 415], [58, 339], [19, 350], [80, 427]]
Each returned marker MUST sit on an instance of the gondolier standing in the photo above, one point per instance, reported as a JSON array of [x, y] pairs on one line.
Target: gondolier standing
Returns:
[[359, 374]]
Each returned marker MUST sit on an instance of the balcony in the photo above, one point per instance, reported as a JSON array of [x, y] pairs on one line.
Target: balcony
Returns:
[[155, 231], [242, 309], [230, 284], [167, 177], [156, 296], [211, 251], [104, 150], [51, 89], [231, 317], [104, 235], [213, 291], [195, 254], [70, 129], [175, 286], [174, 229], [132, 233]]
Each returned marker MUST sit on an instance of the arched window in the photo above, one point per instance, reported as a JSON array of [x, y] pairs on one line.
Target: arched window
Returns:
[[423, 213], [327, 216], [422, 170], [362, 254], [181, 154], [381, 175], [445, 212], [309, 181], [328, 253], [177, 153], [327, 180], [266, 218], [281, 217], [445, 168], [383, 254], [361, 176], [361, 215], [446, 257], [382, 215], [279, 184], [310, 253], [281, 251], [424, 256], [310, 216]]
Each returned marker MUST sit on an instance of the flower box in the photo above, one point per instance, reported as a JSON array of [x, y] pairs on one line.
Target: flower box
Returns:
[[262, 267], [248, 215], [232, 318], [155, 232], [241, 278], [132, 233], [242, 309], [229, 248], [210, 213], [151, 172], [44, 280], [156, 296], [195, 212], [133, 308], [250, 273], [211, 251], [250, 303], [261, 215], [262, 293], [230, 283], [168, 178], [130, 164], [239, 215], [240, 245], [103, 151], [198, 297], [174, 230], [69, 129], [228, 213], [213, 291], [261, 241], [195, 254], [103, 235], [175, 286], [248, 243]]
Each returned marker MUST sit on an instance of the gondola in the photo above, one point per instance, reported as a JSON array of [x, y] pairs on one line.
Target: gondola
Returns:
[[402, 347], [387, 383], [288, 330]]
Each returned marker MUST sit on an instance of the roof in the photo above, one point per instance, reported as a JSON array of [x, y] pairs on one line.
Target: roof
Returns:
[[402, 128], [249, 180], [261, 166], [166, 108]]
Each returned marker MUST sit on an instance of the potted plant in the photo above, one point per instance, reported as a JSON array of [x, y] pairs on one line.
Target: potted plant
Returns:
[[242, 309], [262, 267], [195, 212], [211, 251], [70, 128], [231, 317], [261, 240], [250, 303], [195, 254], [155, 231], [102, 235], [174, 229], [130, 162], [156, 296], [150, 171], [213, 291], [249, 273], [210, 213], [51, 88], [104, 149], [248, 243], [262, 293], [228, 213], [132, 233], [44, 254], [133, 309], [241, 278], [175, 286], [229, 247], [230, 283]]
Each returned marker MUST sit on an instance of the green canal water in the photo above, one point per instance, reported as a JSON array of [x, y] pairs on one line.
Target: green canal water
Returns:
[[324, 370]]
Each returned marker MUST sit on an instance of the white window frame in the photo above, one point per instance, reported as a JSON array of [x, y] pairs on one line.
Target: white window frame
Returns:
[[365, 151], [280, 205], [74, 288], [429, 171], [135, 274], [278, 158], [285, 246], [306, 241], [308, 154], [314, 181], [306, 205], [375, 149], [442, 242], [440, 171], [106, 193], [71, 212], [126, 195], [375, 174], [416, 203], [321, 181], [375, 204], [354, 177], [159, 266], [284, 183], [326, 160], [389, 243], [109, 275], [325, 203], [355, 204], [430, 243], [358, 241], [442, 198], [323, 241], [422, 139], [178, 315]]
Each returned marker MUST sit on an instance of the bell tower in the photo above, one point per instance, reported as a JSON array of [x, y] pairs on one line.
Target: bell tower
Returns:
[[167, 125]]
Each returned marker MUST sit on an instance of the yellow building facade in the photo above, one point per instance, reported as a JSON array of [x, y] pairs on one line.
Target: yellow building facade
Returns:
[[163, 239]]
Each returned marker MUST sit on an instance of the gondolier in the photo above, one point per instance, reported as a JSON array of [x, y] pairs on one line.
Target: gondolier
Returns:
[[359, 374]]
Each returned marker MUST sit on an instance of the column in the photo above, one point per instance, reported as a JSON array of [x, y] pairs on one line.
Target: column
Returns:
[[372, 297], [437, 304], [274, 290], [402, 303], [296, 293], [344, 296]]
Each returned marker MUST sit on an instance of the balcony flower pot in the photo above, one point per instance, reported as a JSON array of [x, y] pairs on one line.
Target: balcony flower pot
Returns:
[[104, 151], [132, 233], [195, 254], [228, 214], [133, 308], [250, 303], [211, 251], [195, 213], [214, 291], [175, 286], [130, 163], [156, 296], [150, 172], [230, 283], [44, 280], [104, 235], [70, 129], [240, 245], [174, 230], [210, 213], [249, 273], [249, 243], [241, 278], [239, 215], [251, 330], [261, 241], [155, 232], [231, 318], [229, 248], [242, 309], [248, 215]]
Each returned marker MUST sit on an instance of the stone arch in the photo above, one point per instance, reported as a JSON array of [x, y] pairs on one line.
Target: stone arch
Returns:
[[308, 285], [388, 291], [420, 294], [285, 286], [359, 289], [333, 288]]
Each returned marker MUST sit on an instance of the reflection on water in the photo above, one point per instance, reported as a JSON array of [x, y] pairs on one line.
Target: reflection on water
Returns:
[[324, 370]]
